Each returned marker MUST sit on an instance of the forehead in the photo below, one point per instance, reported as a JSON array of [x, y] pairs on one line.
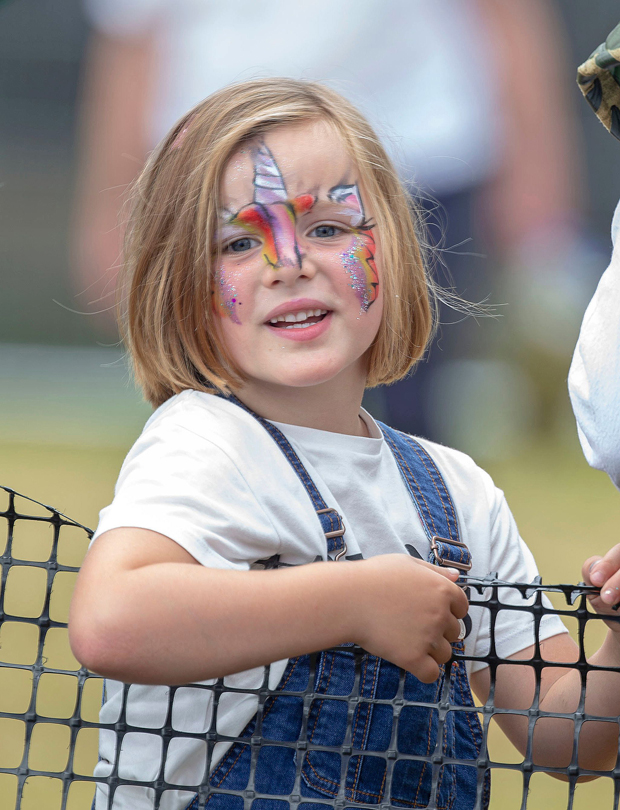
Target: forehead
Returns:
[[311, 158]]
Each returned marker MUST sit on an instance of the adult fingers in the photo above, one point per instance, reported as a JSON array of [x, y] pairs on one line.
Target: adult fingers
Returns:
[[588, 567], [605, 574]]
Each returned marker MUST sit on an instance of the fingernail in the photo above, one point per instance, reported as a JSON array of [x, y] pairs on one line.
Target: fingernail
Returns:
[[597, 577], [454, 571], [610, 596]]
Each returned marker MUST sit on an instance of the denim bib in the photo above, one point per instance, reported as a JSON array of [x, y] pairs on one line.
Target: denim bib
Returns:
[[348, 722]]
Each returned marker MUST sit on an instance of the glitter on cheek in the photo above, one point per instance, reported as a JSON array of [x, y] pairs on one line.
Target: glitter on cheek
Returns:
[[352, 264], [227, 297]]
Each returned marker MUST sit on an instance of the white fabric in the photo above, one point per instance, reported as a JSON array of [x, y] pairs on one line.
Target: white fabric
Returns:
[[208, 475], [422, 71], [594, 377]]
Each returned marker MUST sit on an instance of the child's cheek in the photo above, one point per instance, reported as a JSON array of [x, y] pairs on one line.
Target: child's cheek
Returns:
[[358, 262], [226, 299]]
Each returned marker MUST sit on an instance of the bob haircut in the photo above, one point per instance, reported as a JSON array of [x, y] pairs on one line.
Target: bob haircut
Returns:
[[167, 317]]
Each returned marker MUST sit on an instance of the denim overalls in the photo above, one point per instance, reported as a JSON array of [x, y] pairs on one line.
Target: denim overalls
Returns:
[[334, 731]]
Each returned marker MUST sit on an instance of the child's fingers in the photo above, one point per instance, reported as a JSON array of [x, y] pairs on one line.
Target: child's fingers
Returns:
[[446, 571], [453, 631], [439, 652], [459, 604], [427, 671]]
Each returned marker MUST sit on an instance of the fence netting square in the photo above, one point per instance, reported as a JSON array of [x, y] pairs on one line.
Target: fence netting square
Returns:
[[52, 735]]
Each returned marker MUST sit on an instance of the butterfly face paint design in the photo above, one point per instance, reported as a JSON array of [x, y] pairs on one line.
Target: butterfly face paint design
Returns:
[[358, 260], [271, 214]]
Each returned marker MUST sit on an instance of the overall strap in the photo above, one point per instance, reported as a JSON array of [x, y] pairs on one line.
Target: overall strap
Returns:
[[431, 498], [330, 519]]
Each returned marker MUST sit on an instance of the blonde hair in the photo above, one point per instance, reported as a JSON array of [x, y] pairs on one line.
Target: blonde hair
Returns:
[[169, 271]]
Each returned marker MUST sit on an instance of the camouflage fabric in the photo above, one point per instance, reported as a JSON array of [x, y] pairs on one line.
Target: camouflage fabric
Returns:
[[599, 81]]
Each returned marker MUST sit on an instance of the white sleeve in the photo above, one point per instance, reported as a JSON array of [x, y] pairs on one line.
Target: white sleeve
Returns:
[[123, 18], [513, 562], [594, 377], [181, 485]]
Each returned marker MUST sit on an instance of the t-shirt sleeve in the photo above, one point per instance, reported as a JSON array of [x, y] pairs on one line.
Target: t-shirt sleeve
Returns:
[[594, 376], [513, 561], [186, 487]]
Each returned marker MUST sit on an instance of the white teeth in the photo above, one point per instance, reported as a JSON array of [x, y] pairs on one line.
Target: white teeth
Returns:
[[296, 317]]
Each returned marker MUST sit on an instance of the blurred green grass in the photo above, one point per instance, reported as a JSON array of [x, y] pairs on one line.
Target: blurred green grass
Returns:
[[566, 512]]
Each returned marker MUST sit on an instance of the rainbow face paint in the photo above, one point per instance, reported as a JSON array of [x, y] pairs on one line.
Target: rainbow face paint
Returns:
[[272, 218], [358, 260], [271, 214], [226, 298]]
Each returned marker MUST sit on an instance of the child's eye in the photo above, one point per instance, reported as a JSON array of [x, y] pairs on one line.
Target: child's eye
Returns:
[[241, 245], [326, 231]]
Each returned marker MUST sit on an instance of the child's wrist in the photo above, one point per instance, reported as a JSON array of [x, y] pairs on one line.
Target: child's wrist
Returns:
[[350, 595]]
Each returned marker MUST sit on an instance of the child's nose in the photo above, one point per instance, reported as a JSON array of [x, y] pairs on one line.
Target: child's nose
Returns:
[[292, 266], [285, 248]]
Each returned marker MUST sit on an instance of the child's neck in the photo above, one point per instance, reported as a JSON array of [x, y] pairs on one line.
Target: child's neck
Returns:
[[329, 406]]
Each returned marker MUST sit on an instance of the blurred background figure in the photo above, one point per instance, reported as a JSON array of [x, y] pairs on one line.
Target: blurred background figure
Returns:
[[459, 90]]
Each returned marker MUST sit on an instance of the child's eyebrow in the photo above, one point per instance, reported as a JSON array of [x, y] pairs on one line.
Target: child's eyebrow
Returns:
[[343, 198], [226, 214]]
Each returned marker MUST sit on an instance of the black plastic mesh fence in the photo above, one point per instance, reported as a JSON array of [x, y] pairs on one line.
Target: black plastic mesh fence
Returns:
[[49, 707]]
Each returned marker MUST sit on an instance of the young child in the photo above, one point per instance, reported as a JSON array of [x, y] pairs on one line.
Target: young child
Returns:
[[274, 272]]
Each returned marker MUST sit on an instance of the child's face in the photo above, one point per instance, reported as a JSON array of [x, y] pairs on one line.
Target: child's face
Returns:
[[298, 288]]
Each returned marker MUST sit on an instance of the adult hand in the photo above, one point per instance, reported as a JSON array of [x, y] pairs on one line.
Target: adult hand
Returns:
[[604, 573]]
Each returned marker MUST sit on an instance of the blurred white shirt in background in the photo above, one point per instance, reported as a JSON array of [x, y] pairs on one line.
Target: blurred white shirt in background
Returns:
[[421, 71]]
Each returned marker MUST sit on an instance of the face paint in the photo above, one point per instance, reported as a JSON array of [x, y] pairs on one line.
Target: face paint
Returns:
[[226, 299], [271, 214], [359, 260], [349, 197]]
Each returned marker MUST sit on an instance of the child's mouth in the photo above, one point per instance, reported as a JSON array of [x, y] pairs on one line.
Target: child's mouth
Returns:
[[298, 320]]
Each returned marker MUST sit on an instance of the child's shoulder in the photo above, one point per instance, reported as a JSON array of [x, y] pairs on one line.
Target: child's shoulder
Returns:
[[208, 427], [206, 416], [467, 483]]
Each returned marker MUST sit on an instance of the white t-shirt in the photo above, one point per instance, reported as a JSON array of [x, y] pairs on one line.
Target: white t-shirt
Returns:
[[205, 473], [594, 377]]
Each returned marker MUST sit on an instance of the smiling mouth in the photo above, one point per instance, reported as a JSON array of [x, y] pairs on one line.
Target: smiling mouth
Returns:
[[298, 320]]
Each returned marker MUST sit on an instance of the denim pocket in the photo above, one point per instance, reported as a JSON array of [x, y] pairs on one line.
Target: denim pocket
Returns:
[[321, 774]]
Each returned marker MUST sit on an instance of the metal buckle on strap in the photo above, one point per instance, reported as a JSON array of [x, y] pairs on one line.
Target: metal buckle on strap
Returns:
[[449, 563], [336, 532]]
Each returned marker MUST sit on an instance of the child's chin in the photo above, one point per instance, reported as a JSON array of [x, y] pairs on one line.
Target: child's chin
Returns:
[[307, 377]]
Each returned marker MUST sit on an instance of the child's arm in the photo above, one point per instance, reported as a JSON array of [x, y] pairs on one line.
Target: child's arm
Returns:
[[144, 611], [561, 688]]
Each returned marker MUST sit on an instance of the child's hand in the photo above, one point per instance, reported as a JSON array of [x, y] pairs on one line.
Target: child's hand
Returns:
[[408, 612], [604, 573]]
